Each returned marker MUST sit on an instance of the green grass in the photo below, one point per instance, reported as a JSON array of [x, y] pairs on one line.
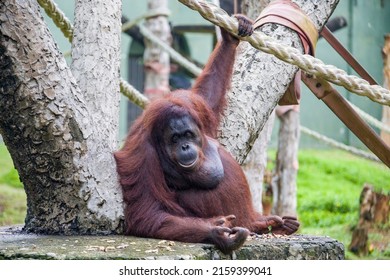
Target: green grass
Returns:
[[329, 187], [12, 196], [8, 174]]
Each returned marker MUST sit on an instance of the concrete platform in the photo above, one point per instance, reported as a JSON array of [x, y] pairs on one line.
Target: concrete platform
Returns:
[[16, 244]]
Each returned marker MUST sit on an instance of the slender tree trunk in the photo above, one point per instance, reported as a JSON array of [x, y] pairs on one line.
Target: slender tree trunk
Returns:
[[386, 75], [254, 96], [95, 65], [284, 183], [48, 123], [156, 60], [256, 162]]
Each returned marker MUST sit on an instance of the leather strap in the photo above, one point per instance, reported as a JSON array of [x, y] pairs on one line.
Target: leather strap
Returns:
[[289, 14]]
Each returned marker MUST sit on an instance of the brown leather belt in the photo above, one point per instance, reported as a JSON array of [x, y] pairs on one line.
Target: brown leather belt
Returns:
[[289, 14], [286, 13]]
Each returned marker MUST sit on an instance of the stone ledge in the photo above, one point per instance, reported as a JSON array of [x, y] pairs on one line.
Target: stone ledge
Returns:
[[15, 244]]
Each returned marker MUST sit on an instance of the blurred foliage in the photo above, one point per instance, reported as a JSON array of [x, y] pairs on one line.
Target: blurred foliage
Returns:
[[13, 204], [11, 178], [8, 174]]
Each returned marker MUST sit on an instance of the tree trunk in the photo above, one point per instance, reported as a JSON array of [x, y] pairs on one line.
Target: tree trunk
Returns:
[[374, 210], [359, 243], [386, 75], [58, 140], [284, 183], [156, 60], [253, 8], [256, 162], [95, 65], [254, 96]]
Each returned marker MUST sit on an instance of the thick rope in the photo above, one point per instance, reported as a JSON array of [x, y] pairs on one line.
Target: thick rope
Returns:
[[58, 17], [291, 55], [338, 145], [195, 70], [133, 94], [177, 57]]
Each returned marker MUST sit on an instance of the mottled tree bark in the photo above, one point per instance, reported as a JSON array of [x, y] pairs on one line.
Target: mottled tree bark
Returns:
[[254, 96], [253, 8], [386, 76], [256, 162], [156, 60], [59, 136], [95, 65]]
